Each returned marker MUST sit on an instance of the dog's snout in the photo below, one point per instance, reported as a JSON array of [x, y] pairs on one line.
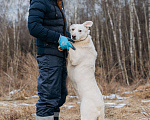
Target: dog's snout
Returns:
[[73, 36]]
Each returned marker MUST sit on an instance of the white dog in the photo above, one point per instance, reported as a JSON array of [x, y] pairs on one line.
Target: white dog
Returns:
[[81, 72]]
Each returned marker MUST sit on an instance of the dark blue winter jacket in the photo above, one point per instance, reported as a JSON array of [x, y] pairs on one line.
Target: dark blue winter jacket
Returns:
[[47, 22]]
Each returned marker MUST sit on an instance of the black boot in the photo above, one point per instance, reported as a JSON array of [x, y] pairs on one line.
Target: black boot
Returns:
[[56, 118]]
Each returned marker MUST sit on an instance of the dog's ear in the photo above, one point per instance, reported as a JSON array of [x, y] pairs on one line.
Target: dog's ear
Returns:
[[88, 24]]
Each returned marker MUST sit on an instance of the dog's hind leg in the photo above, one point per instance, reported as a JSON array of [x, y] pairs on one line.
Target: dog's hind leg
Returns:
[[101, 114], [88, 110]]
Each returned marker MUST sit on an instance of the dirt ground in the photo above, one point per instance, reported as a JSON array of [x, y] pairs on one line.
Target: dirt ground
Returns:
[[123, 105]]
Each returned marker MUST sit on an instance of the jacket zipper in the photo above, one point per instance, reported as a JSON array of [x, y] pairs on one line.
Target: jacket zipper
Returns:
[[59, 2]]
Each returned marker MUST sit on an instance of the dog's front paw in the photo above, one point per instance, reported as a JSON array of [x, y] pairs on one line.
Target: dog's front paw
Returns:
[[73, 57]]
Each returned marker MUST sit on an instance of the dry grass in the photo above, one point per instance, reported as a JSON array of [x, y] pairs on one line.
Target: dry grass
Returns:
[[26, 82], [133, 110], [19, 113], [104, 85], [143, 92], [18, 109]]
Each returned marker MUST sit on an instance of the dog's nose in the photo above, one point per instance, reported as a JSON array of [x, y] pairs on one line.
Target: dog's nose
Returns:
[[73, 36]]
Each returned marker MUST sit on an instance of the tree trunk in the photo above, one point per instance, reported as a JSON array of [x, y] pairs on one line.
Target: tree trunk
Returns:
[[4, 61], [75, 12], [98, 43], [108, 34], [121, 44], [132, 39], [69, 17], [14, 28], [146, 23], [115, 39], [101, 53], [149, 36], [139, 41]]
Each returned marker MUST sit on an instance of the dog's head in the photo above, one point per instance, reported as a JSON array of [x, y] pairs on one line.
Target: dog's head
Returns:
[[80, 31]]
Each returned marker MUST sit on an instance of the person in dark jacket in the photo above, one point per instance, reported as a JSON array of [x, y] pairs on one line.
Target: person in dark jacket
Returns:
[[47, 23]]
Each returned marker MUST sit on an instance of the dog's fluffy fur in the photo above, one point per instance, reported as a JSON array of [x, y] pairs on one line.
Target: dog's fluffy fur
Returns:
[[81, 72]]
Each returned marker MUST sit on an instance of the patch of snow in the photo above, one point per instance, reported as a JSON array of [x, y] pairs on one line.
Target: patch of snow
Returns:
[[145, 101], [3, 104], [121, 98], [68, 106], [120, 106], [35, 96], [15, 105], [119, 101], [27, 104], [26, 97], [110, 103], [73, 96], [35, 92], [127, 92], [14, 91], [113, 96], [24, 104], [145, 113]]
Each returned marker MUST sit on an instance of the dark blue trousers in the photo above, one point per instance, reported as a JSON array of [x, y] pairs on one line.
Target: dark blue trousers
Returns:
[[52, 89]]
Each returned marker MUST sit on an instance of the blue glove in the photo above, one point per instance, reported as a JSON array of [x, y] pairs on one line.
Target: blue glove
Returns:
[[65, 44], [69, 39]]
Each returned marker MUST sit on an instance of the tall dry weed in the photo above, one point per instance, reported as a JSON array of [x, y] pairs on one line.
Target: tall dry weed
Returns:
[[24, 80]]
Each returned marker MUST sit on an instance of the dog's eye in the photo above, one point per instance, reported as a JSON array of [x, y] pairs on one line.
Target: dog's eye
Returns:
[[80, 30], [72, 29]]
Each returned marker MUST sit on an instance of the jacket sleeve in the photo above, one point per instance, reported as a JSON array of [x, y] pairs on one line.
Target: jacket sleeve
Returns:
[[35, 19]]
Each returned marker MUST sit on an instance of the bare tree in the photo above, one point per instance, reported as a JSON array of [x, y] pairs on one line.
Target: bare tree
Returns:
[[5, 34], [149, 36], [139, 40], [116, 43], [132, 39], [121, 43], [98, 43], [75, 13], [120, 32]]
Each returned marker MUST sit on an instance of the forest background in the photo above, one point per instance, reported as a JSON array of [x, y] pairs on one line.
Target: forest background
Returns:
[[121, 35]]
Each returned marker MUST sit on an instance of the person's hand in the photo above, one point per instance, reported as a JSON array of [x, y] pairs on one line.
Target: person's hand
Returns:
[[65, 44]]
